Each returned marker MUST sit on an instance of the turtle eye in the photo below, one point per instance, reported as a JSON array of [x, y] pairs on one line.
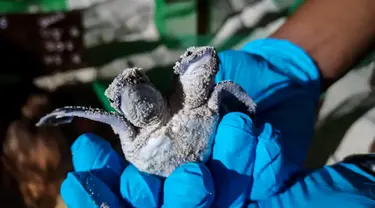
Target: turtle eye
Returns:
[[189, 53], [110, 100]]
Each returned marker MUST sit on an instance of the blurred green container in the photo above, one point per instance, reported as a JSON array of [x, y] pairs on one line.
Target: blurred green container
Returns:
[[99, 87], [27, 6]]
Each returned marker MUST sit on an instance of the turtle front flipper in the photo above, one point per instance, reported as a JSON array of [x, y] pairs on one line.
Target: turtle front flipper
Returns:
[[66, 114], [230, 97]]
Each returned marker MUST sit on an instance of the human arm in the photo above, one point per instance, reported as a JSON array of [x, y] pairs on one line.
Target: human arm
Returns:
[[335, 33]]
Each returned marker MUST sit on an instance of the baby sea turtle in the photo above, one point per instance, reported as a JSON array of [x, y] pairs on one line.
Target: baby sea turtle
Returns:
[[159, 133]]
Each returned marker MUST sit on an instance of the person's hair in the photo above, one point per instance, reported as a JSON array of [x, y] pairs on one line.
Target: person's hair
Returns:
[[38, 157], [34, 150]]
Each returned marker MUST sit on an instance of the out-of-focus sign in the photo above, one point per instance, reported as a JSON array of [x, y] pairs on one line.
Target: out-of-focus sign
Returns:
[[53, 38]]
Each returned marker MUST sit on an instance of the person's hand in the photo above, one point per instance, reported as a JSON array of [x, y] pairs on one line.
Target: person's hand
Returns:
[[340, 185], [102, 178], [284, 83]]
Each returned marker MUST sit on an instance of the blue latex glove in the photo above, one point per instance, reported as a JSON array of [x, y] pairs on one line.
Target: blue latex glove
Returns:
[[103, 179], [339, 185], [284, 82]]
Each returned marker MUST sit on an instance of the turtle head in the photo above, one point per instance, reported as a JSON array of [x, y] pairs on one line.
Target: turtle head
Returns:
[[195, 57], [132, 94]]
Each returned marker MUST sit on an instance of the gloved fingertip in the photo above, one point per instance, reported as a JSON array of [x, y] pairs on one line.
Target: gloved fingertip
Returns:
[[192, 180], [238, 120], [233, 158], [90, 151], [94, 154], [273, 169], [268, 133], [235, 132], [140, 189], [86, 142], [82, 189], [253, 205]]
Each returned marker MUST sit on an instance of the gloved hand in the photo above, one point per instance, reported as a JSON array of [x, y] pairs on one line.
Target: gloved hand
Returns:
[[284, 83], [247, 163], [101, 177], [339, 185]]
